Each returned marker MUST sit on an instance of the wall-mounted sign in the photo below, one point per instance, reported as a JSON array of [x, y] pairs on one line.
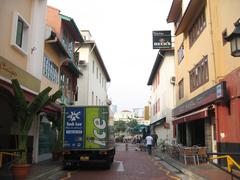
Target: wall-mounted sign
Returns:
[[213, 95], [162, 40], [9, 71]]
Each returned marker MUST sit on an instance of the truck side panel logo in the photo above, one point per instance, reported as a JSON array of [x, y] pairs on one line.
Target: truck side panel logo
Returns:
[[74, 128]]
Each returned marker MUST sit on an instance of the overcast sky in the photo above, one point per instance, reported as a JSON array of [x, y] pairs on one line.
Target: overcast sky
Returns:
[[122, 30]]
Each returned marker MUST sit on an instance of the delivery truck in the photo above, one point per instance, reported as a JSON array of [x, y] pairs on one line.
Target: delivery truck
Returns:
[[88, 137]]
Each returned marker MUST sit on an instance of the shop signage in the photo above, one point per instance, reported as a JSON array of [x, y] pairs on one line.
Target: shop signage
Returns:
[[212, 95], [162, 40], [74, 127], [11, 71]]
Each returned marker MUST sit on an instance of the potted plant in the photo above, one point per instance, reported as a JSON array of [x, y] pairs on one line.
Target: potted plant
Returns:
[[25, 113]]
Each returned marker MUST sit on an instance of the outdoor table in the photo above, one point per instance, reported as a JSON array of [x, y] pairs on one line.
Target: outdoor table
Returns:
[[10, 152]]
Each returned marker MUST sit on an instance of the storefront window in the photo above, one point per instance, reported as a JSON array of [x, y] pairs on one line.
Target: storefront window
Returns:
[[46, 137]]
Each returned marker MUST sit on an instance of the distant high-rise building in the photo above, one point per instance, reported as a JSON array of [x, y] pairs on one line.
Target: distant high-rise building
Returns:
[[114, 108]]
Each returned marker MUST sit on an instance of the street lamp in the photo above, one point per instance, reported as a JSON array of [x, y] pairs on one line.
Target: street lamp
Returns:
[[234, 39]]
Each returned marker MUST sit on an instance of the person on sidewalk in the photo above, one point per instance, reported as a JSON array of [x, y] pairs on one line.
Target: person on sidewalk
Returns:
[[155, 138], [149, 142]]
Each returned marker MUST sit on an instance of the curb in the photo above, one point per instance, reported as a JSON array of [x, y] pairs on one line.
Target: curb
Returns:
[[180, 167], [46, 174]]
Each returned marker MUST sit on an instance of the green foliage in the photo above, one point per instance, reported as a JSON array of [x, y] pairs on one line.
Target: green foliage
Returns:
[[133, 123], [119, 126], [25, 112]]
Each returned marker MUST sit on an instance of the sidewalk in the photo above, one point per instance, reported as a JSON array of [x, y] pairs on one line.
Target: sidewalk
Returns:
[[46, 169], [205, 171], [41, 171]]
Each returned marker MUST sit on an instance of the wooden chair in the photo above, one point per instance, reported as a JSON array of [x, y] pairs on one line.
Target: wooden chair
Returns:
[[201, 154], [187, 153]]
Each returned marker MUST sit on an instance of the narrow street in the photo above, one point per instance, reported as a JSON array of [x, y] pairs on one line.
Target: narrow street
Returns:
[[128, 165]]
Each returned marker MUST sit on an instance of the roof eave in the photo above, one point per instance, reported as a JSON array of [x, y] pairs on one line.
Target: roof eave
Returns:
[[174, 11], [193, 9], [72, 24], [158, 60]]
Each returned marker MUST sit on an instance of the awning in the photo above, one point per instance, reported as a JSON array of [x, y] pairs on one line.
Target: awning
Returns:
[[159, 122], [203, 113]]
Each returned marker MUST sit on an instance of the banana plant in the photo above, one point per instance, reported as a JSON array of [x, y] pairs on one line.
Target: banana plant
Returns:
[[26, 112]]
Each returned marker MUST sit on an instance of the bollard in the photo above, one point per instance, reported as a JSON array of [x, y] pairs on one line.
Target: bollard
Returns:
[[126, 146]]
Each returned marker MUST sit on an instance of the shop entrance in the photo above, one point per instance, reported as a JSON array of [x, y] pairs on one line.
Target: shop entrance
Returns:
[[197, 132], [182, 134]]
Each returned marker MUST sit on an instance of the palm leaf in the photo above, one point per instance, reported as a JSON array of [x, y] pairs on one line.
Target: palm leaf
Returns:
[[21, 102], [55, 96], [39, 101]]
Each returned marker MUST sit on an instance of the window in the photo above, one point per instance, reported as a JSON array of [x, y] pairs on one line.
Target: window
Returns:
[[197, 28], [96, 100], [19, 37], [181, 89], [65, 38], [180, 53], [50, 70], [20, 33], [92, 97], [158, 105], [97, 73], [93, 66], [199, 74]]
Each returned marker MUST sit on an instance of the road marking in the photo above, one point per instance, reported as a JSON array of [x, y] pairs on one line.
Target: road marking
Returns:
[[119, 167]]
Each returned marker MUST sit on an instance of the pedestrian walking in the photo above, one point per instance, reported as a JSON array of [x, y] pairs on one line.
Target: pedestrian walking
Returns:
[[149, 142], [155, 138]]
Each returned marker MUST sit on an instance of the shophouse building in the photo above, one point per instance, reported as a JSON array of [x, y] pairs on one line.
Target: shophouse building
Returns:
[[21, 54], [162, 82], [92, 85], [59, 71], [207, 109]]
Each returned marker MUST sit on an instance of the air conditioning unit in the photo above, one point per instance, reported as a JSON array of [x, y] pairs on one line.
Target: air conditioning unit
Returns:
[[82, 63], [172, 80]]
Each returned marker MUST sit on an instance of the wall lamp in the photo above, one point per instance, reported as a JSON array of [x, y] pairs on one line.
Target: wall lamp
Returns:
[[234, 39]]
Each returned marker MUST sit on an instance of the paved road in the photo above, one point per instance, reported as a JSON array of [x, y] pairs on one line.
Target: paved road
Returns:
[[128, 165]]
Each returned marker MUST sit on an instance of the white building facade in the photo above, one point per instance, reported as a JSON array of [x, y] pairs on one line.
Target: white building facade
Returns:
[[162, 98], [124, 115], [92, 84]]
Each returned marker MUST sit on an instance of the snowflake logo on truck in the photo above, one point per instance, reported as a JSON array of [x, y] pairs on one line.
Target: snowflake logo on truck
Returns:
[[74, 116]]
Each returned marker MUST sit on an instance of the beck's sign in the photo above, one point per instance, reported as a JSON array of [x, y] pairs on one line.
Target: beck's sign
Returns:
[[162, 40]]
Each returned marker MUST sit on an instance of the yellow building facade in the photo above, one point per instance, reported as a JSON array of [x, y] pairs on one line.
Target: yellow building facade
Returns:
[[207, 76]]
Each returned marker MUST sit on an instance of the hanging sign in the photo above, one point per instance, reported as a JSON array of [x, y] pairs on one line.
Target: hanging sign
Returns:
[[162, 40]]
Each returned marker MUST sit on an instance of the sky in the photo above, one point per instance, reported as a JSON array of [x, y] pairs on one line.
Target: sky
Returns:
[[122, 30]]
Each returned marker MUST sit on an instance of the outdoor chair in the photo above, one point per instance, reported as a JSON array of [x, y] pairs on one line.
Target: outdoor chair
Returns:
[[188, 153], [173, 151], [201, 154]]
